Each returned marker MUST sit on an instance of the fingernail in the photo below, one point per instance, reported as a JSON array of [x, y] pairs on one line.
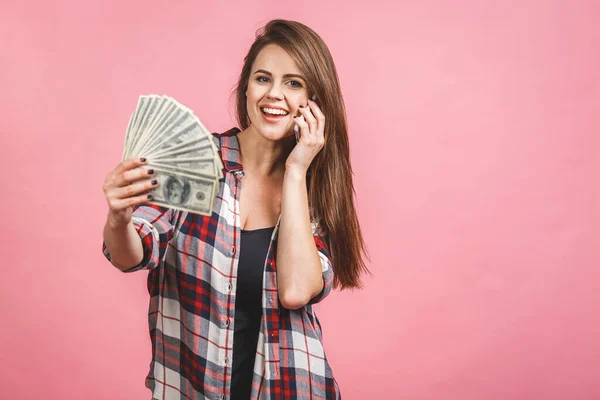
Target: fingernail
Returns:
[[150, 171], [142, 159], [149, 197], [154, 181]]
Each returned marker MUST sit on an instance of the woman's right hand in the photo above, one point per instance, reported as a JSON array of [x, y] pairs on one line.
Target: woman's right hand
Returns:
[[125, 187]]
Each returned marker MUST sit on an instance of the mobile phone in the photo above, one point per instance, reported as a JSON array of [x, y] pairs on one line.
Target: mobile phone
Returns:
[[296, 128]]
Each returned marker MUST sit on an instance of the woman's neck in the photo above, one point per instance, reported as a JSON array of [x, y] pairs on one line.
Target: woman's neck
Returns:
[[261, 156]]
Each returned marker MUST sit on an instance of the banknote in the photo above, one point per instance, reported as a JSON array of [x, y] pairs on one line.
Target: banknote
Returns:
[[203, 167], [193, 132], [197, 148], [179, 148], [173, 118], [131, 135], [144, 118], [176, 191], [163, 109]]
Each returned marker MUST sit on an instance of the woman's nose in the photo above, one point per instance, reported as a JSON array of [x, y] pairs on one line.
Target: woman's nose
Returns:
[[275, 92]]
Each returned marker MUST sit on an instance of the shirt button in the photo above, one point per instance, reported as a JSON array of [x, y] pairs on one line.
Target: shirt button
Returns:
[[227, 322], [223, 396], [270, 299], [226, 360], [233, 251], [228, 288]]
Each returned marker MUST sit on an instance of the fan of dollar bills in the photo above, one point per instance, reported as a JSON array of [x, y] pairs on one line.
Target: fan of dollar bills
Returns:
[[181, 151]]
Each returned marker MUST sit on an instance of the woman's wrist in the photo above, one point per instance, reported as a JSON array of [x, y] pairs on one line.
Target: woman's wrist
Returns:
[[295, 173], [116, 222]]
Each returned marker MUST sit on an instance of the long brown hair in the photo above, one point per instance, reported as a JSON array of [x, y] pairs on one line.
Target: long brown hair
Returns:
[[330, 188]]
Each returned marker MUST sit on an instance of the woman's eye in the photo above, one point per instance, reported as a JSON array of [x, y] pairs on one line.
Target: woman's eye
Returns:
[[262, 79], [295, 84]]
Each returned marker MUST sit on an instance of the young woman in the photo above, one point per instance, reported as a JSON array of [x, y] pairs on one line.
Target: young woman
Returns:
[[230, 295]]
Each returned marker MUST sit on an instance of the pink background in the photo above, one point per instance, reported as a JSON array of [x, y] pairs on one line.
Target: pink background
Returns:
[[476, 146]]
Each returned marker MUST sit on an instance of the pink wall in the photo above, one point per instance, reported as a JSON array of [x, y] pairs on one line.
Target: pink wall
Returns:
[[475, 135]]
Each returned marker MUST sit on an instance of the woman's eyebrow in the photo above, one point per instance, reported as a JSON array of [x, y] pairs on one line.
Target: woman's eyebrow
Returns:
[[262, 71]]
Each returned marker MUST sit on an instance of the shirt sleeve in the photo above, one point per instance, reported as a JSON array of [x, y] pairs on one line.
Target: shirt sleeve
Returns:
[[326, 265], [155, 226]]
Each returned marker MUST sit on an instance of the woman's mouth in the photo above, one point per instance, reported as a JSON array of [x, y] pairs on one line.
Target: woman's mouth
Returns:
[[273, 114]]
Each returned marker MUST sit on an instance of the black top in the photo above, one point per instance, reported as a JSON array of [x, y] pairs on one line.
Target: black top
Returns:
[[248, 309]]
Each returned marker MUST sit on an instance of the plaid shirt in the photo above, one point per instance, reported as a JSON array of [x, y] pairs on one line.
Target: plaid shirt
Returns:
[[192, 282]]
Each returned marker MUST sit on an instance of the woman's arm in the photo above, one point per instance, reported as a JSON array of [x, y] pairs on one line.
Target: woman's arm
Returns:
[[125, 188], [299, 269], [299, 274], [124, 245]]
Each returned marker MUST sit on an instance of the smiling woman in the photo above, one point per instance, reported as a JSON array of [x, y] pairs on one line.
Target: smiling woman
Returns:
[[275, 92], [231, 294]]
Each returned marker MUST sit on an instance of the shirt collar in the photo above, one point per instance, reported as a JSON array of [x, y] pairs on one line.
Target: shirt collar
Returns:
[[229, 150]]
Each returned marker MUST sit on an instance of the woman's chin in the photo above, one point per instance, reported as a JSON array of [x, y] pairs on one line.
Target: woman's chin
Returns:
[[276, 134]]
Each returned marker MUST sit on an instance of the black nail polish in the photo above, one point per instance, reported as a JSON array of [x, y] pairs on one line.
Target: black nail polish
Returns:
[[150, 197], [154, 181], [142, 159], [150, 171]]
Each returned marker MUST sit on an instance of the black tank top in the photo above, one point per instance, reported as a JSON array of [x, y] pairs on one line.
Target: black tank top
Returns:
[[248, 309]]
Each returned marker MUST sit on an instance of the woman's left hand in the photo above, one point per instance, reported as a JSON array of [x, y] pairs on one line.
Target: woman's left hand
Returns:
[[312, 137]]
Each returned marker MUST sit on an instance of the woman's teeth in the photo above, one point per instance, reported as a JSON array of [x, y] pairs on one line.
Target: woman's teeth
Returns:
[[274, 111]]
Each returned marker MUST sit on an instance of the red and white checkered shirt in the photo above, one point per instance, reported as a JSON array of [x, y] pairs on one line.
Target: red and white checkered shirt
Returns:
[[192, 282]]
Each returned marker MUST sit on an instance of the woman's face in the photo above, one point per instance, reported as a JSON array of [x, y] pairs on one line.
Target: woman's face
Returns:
[[275, 90]]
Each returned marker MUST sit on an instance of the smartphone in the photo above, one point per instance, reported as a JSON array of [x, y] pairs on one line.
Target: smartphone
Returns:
[[296, 128]]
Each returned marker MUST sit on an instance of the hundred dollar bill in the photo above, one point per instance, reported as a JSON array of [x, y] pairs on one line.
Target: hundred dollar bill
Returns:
[[176, 191], [146, 135], [131, 134], [197, 148], [203, 167], [182, 131], [169, 169], [127, 134], [166, 122], [185, 159], [145, 116], [193, 159], [178, 135]]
